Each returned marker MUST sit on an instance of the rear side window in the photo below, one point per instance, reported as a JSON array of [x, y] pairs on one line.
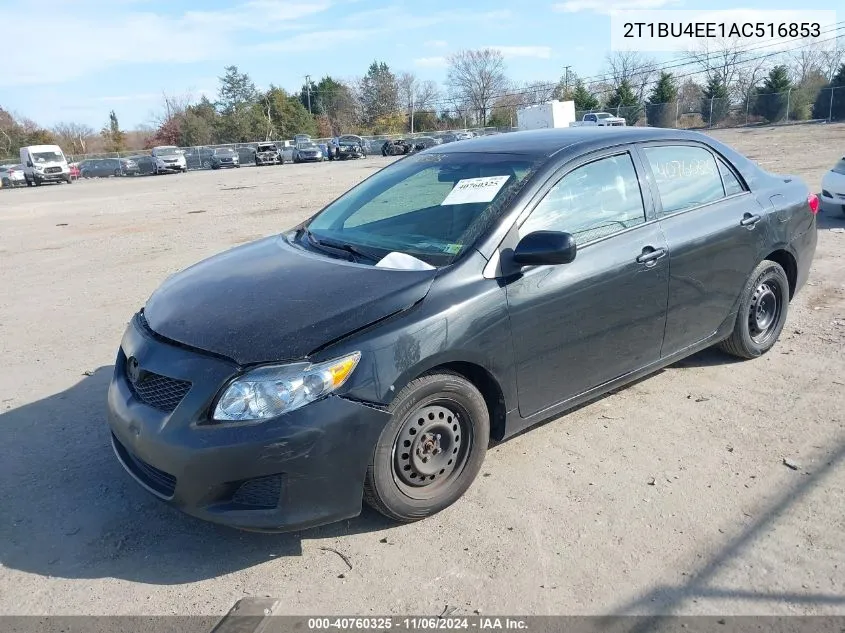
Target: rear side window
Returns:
[[729, 180], [592, 201], [686, 176]]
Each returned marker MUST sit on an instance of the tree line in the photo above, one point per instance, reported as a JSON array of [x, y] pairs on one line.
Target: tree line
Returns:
[[714, 86]]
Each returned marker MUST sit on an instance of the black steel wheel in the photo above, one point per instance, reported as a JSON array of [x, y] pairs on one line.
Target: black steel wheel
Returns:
[[431, 450], [762, 312]]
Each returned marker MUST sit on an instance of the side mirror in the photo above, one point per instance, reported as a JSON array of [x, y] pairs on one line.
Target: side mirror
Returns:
[[29, 163], [545, 247]]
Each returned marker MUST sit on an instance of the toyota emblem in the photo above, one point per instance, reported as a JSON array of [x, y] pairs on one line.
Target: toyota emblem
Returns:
[[133, 370]]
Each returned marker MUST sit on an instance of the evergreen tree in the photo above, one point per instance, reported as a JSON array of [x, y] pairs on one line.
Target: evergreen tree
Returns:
[[236, 99], [113, 136], [662, 103], [625, 102], [583, 98], [379, 93], [771, 98], [830, 101], [715, 101]]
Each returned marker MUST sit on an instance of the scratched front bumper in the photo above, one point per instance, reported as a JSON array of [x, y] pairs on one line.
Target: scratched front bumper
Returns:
[[319, 453]]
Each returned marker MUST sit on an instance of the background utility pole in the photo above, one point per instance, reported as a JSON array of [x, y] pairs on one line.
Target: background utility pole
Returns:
[[566, 79], [308, 90]]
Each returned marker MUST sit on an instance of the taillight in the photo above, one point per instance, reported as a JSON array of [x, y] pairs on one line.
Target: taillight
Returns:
[[813, 201]]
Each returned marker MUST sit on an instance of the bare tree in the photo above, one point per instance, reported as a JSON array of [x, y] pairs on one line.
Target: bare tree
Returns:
[[725, 58], [638, 70], [73, 137], [747, 77], [535, 92], [477, 77], [805, 62], [832, 58], [407, 83]]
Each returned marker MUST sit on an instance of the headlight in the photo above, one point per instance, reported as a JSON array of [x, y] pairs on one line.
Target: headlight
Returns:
[[267, 392], [39, 168]]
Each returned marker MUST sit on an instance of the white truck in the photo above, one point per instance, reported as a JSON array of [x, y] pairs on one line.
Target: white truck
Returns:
[[601, 119], [44, 163], [552, 114]]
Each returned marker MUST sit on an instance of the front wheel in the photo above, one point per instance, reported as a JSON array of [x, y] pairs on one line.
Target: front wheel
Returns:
[[431, 449], [762, 312]]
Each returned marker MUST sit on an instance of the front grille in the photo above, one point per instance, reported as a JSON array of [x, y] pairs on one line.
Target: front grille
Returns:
[[160, 392], [53, 170], [262, 492], [157, 480]]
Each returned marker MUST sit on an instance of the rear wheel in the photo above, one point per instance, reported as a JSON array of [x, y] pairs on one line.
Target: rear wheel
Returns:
[[6, 182], [431, 449], [762, 312]]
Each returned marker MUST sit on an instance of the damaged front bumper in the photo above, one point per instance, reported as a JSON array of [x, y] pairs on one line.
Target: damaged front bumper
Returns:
[[302, 469]]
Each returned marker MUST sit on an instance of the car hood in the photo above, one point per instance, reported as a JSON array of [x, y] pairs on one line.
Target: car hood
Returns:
[[270, 301]]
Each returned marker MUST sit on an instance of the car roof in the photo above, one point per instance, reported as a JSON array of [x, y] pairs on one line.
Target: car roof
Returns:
[[550, 141]]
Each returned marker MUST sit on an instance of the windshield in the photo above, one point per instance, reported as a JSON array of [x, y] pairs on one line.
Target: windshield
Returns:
[[224, 152], [430, 206], [307, 145], [47, 157], [266, 148], [603, 115], [839, 168], [167, 151], [349, 139]]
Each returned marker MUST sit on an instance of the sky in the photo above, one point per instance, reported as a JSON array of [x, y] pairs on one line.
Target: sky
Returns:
[[83, 58]]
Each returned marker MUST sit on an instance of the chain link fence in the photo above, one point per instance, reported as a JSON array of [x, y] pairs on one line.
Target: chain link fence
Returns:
[[700, 112]]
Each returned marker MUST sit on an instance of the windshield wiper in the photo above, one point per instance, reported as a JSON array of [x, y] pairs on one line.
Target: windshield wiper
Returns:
[[341, 246]]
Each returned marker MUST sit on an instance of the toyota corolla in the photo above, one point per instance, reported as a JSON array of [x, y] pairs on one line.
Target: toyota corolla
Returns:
[[460, 294]]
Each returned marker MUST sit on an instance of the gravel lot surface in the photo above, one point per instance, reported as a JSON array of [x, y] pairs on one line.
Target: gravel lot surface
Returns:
[[669, 496]]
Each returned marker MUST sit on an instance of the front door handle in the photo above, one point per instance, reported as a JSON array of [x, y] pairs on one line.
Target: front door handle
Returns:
[[749, 220], [650, 255]]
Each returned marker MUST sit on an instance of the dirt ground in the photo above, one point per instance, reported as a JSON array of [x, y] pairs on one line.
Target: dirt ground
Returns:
[[669, 496]]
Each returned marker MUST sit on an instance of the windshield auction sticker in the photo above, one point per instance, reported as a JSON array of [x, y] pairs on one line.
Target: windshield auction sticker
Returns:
[[473, 190]]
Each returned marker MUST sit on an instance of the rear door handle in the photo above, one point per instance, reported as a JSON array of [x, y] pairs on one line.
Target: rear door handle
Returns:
[[650, 255], [749, 220]]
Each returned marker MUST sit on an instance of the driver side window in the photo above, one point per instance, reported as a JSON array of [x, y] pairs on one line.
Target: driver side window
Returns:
[[591, 202]]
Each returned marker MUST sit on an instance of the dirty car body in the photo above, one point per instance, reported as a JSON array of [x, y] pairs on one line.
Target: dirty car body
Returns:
[[267, 154], [534, 336]]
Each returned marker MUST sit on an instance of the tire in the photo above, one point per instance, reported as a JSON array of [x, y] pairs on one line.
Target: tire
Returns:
[[206, 164], [392, 485], [6, 182], [762, 312], [843, 209], [69, 180], [117, 172]]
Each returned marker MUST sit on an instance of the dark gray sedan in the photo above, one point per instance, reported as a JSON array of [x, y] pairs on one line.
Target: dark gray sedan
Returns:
[[463, 293]]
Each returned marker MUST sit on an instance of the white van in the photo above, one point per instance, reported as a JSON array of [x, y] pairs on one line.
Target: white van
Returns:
[[44, 163], [169, 158]]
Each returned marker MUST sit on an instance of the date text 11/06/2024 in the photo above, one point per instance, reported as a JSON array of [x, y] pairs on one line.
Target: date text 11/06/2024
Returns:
[[417, 623], [746, 30]]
